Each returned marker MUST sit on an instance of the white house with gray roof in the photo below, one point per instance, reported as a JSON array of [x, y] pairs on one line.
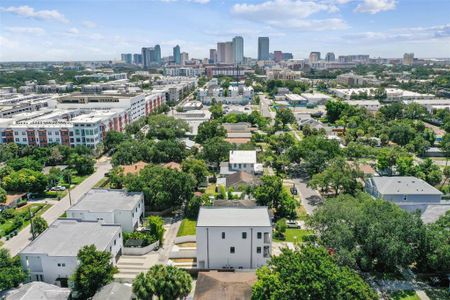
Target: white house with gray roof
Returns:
[[52, 256], [110, 207], [402, 189], [233, 238]]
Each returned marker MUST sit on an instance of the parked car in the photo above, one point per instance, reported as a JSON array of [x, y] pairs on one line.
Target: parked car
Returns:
[[58, 188], [294, 190], [293, 224]]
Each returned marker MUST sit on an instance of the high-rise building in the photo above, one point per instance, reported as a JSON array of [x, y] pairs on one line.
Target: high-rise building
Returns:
[[278, 56], [263, 48], [126, 58], [184, 58], [177, 54], [330, 56], [137, 58], [146, 56], [408, 59], [229, 55], [314, 57], [157, 54], [212, 56], [287, 56], [221, 52], [238, 49]]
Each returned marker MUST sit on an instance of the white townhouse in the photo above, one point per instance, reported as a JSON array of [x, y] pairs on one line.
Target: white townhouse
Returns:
[[52, 256], [110, 207], [244, 160], [233, 238]]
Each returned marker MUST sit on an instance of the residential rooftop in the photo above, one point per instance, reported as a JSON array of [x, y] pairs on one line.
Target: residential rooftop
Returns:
[[233, 217], [403, 185], [243, 157], [104, 200], [65, 237]]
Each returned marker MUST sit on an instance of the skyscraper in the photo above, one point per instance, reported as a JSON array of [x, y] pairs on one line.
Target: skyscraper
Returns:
[[157, 54], [212, 56], [184, 58], [263, 48], [330, 56], [137, 58], [126, 58], [221, 52], [146, 56], [229, 55], [408, 59], [177, 54], [314, 57], [238, 49]]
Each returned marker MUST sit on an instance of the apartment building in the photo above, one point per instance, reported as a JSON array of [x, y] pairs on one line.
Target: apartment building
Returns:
[[233, 238]]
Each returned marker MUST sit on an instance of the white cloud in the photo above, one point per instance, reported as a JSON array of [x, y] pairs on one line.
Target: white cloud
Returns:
[[375, 6], [73, 31], [292, 14], [402, 34], [29, 12], [89, 24], [26, 30], [200, 1]]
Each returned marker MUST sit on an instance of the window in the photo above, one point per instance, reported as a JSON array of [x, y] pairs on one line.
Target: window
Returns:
[[266, 237], [259, 235], [59, 265], [266, 251], [223, 235], [244, 235], [115, 242], [63, 265], [258, 249], [232, 250]]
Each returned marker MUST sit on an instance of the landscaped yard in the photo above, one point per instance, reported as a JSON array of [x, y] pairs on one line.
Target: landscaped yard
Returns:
[[404, 295], [187, 227], [294, 235], [103, 183], [20, 218]]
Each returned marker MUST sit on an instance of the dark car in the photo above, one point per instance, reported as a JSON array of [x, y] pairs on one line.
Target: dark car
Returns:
[[294, 190]]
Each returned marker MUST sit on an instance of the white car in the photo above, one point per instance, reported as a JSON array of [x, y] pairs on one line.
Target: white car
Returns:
[[293, 224]]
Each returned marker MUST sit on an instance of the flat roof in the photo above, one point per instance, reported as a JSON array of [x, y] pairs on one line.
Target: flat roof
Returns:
[[65, 237], [233, 217], [243, 157], [404, 185], [103, 200]]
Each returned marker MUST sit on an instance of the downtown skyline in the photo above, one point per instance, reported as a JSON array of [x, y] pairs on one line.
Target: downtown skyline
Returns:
[[102, 30]]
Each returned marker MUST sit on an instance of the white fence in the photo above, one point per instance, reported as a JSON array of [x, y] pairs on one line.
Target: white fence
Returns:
[[140, 250]]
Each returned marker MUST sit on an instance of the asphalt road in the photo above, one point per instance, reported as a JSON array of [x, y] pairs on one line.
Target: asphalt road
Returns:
[[310, 198], [20, 241], [264, 107]]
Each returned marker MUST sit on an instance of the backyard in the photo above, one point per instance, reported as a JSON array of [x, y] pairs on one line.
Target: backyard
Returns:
[[294, 235], [14, 220], [187, 227]]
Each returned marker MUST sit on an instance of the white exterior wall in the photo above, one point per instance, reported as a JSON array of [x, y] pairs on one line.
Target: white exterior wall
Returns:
[[47, 268], [213, 251], [102, 217], [249, 168]]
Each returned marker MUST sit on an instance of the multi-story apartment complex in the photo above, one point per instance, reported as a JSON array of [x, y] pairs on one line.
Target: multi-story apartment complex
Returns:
[[236, 93], [238, 49], [233, 238]]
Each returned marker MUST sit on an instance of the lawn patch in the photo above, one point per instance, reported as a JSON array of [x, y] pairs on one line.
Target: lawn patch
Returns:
[[187, 227]]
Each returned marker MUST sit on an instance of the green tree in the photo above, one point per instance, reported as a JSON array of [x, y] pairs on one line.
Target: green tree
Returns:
[[196, 167], [25, 180], [335, 109], [280, 228], [82, 164], [113, 139], [208, 130], [164, 127], [284, 116], [94, 271], [216, 110], [156, 226], [38, 226], [309, 273], [271, 193], [25, 163], [216, 150], [164, 282], [2, 195], [11, 271]]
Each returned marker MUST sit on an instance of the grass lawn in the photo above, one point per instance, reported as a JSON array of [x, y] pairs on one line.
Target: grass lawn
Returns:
[[404, 295], [187, 227], [103, 183], [294, 235]]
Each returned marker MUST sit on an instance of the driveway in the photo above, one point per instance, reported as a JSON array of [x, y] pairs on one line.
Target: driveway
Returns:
[[21, 240], [169, 241]]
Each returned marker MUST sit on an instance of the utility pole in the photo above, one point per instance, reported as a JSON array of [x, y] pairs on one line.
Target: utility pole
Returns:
[[31, 222], [70, 196]]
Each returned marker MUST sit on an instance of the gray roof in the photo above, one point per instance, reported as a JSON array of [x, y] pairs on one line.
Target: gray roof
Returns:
[[65, 237], [114, 291], [38, 291], [101, 200], [233, 216], [403, 185]]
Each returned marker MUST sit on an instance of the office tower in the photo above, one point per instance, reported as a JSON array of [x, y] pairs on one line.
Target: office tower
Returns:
[[277, 56], [177, 55], [146, 56], [126, 58], [229, 57], [221, 52], [238, 49], [137, 58], [157, 54], [212, 56], [314, 57], [263, 48], [330, 56], [408, 59], [287, 56], [184, 58]]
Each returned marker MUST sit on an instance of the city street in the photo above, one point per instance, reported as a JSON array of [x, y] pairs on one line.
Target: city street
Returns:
[[264, 105], [20, 241], [310, 198]]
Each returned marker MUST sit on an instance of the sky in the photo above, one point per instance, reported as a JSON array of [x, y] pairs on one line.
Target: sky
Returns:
[[71, 30]]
